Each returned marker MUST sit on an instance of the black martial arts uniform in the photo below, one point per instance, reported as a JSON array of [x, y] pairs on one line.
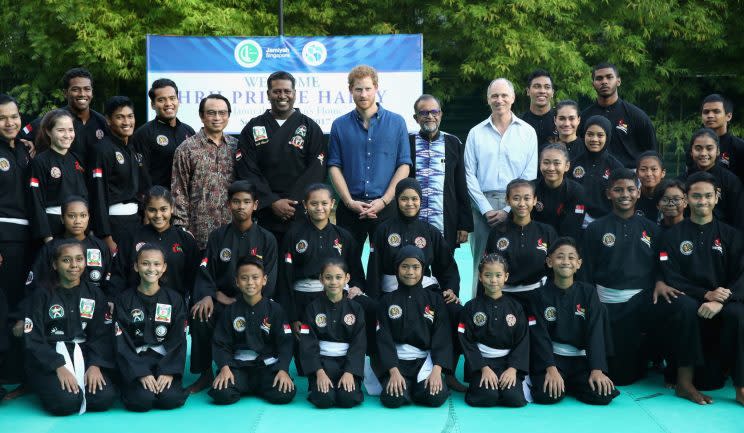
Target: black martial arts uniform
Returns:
[[494, 333], [69, 328], [281, 161], [578, 341], [413, 332], [181, 255], [730, 207], [544, 125], [732, 154], [592, 170], [225, 247], [117, 184], [575, 148], [333, 338], [562, 208], [647, 207], [305, 248], [255, 342], [633, 133], [157, 141], [150, 339], [5, 327], [699, 258], [619, 258], [54, 177]]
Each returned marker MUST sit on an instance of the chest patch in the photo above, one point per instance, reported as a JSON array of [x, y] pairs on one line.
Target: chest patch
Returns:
[[420, 242], [608, 239], [119, 157], [394, 311], [579, 172], [162, 140], [239, 324], [502, 244], [163, 313], [301, 246], [87, 306], [56, 311], [686, 248], [259, 134], [4, 164], [93, 257], [479, 318], [350, 319], [225, 254], [55, 172], [321, 320], [550, 314], [394, 240], [511, 320]]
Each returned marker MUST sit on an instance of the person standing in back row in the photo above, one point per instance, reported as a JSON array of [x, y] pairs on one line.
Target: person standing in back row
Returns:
[[633, 131], [540, 115]]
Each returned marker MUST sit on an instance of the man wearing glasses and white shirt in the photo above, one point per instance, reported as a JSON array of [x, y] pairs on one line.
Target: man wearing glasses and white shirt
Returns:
[[499, 149]]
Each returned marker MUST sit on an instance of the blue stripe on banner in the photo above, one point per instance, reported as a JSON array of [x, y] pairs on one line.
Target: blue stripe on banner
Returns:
[[386, 53]]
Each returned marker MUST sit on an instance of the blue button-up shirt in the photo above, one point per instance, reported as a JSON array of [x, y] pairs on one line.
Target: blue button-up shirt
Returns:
[[368, 157]]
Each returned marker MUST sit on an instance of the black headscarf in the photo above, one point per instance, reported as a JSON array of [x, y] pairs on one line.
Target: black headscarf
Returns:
[[404, 184], [409, 252], [603, 123]]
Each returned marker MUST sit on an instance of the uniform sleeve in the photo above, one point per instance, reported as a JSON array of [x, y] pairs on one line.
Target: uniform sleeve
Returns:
[[374, 265], [38, 185], [541, 353], [140, 144], [444, 267], [309, 346], [121, 268], [357, 346], [271, 265], [175, 342], [180, 180], [223, 340], [464, 212], [191, 264], [205, 283], [468, 341], [385, 344], [648, 134], [99, 195], [441, 337], [353, 258], [588, 256], [282, 336], [247, 168], [519, 357], [315, 162], [38, 350], [574, 212], [129, 363], [100, 336], [735, 266], [672, 271], [599, 339], [284, 293]]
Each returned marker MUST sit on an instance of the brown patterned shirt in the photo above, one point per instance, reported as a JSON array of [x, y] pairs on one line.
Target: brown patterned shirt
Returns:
[[202, 172]]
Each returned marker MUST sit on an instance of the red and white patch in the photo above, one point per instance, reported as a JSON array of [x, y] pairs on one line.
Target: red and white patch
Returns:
[[579, 209], [287, 328], [97, 172], [461, 328], [288, 258], [27, 129], [204, 262], [532, 320], [33, 183], [238, 155], [304, 329]]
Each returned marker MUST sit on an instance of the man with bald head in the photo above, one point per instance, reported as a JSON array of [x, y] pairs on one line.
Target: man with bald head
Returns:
[[499, 149]]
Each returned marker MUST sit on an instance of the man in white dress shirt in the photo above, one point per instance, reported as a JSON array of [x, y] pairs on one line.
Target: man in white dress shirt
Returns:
[[498, 150]]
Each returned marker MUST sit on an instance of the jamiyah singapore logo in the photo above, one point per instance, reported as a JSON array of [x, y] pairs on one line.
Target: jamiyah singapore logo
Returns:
[[248, 53]]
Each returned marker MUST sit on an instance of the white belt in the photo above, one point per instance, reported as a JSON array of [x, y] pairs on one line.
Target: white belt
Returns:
[[615, 296], [158, 349], [492, 352], [390, 282], [19, 221], [54, 210], [407, 352], [567, 350], [308, 285], [587, 220], [525, 287], [333, 348], [123, 209], [250, 355], [75, 365]]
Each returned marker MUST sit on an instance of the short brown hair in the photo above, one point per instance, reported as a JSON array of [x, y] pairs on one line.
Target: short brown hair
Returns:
[[362, 71]]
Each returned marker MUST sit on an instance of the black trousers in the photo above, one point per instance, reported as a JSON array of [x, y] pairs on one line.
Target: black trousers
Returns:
[[672, 327], [336, 396], [139, 399], [201, 339], [58, 401], [415, 392], [575, 372], [479, 396], [361, 228], [252, 381]]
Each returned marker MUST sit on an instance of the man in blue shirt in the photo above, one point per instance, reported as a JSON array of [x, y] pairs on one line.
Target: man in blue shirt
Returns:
[[368, 153]]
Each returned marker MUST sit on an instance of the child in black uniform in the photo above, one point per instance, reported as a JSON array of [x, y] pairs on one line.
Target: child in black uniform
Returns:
[[493, 332], [574, 356], [333, 342], [150, 339]]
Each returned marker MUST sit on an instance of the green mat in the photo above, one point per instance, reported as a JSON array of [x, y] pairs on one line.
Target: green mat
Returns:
[[644, 407]]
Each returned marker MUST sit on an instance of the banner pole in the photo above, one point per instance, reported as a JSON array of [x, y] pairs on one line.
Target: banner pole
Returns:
[[281, 17]]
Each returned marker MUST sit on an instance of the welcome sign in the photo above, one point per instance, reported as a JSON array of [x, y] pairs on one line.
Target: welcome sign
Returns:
[[237, 68]]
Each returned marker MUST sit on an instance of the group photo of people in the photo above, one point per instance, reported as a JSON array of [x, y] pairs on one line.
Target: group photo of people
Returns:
[[134, 253]]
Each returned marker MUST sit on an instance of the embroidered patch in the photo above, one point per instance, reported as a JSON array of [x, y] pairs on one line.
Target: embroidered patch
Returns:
[[239, 324], [579, 172], [394, 240], [420, 242], [717, 246], [95, 275], [138, 246], [162, 140], [502, 244], [28, 325], [4, 164], [266, 325], [338, 246], [542, 246], [550, 314], [87, 306], [55, 172], [99, 134], [301, 246], [225, 254], [320, 320], [56, 311], [161, 330], [580, 311], [297, 142], [137, 315], [93, 257], [511, 320], [429, 313], [119, 157], [608, 239], [646, 239], [350, 319], [394, 311], [259, 134], [622, 126], [686, 248], [479, 318], [539, 206], [163, 313]]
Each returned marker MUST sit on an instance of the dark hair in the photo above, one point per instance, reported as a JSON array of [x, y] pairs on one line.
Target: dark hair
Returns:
[[149, 247], [701, 177], [161, 83], [518, 182], [426, 97], [334, 261], [43, 142], [622, 174], [556, 146], [728, 106], [605, 65], [52, 280], [564, 240], [75, 73], [492, 258], [317, 187], [116, 102], [242, 186], [538, 73], [666, 184], [650, 154], [250, 260], [280, 75], [73, 199], [702, 132], [567, 103], [7, 99], [214, 96], [158, 191]]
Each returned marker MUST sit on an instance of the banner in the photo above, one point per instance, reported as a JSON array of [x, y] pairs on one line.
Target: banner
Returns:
[[237, 68]]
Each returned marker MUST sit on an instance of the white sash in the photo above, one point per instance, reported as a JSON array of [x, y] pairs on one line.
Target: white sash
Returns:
[[567, 350], [615, 296], [123, 209], [54, 210], [525, 287], [75, 365], [308, 285], [333, 348], [158, 349], [492, 352], [245, 355], [19, 221], [407, 352]]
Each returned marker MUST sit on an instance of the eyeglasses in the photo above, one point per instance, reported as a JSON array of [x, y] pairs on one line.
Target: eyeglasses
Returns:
[[674, 201], [213, 113], [427, 113]]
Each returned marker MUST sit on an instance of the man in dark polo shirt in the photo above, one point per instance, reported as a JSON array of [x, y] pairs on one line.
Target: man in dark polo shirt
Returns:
[[368, 153], [541, 115], [716, 113], [158, 139], [633, 133]]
